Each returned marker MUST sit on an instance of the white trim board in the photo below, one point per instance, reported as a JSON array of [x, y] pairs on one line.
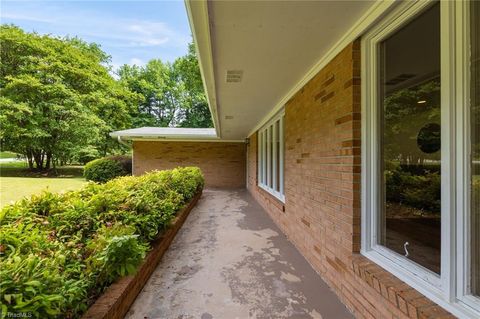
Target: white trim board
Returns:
[[198, 11], [377, 10], [160, 139]]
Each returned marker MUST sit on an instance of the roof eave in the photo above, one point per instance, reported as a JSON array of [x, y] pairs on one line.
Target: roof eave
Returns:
[[198, 18], [162, 136]]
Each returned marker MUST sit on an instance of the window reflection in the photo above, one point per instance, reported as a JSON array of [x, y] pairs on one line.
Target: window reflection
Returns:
[[410, 140]]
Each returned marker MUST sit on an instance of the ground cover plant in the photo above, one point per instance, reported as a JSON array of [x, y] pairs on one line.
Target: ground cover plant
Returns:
[[58, 252]]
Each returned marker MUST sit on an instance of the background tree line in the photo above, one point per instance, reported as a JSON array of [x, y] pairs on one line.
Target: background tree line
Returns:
[[59, 100]]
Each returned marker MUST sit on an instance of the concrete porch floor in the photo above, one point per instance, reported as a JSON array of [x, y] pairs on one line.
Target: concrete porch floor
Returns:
[[229, 261]]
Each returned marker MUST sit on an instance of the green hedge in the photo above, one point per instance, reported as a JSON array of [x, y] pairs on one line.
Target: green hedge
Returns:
[[107, 168], [58, 252]]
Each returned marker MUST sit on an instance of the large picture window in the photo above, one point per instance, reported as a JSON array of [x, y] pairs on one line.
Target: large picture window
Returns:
[[271, 157], [421, 149], [409, 87]]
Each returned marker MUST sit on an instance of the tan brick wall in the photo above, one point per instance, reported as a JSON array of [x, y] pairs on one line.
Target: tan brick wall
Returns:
[[321, 214], [222, 164]]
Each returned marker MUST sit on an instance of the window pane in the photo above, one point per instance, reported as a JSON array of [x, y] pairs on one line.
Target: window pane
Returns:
[[270, 160], [475, 147], [260, 158], [277, 156], [264, 157], [410, 140], [282, 155]]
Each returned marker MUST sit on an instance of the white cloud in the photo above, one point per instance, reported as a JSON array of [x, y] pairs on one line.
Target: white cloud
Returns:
[[129, 40], [126, 32]]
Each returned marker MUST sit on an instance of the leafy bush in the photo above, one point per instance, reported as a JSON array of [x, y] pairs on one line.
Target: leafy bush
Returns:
[[105, 169], [58, 252], [417, 187], [124, 160]]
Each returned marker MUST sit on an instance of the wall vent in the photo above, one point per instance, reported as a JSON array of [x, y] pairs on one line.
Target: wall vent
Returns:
[[234, 76]]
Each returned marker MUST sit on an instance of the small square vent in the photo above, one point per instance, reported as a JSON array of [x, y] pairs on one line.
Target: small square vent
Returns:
[[234, 76]]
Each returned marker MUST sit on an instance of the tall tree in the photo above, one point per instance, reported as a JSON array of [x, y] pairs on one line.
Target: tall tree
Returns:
[[160, 94], [195, 111], [57, 97], [172, 93]]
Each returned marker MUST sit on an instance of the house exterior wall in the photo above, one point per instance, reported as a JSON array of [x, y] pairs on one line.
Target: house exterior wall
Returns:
[[222, 163], [321, 213]]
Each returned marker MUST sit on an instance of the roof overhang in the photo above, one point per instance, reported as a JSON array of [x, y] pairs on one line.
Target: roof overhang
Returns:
[[198, 17], [278, 45], [169, 133]]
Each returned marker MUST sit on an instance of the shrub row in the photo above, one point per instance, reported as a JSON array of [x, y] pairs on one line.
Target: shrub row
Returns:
[[58, 252], [104, 169]]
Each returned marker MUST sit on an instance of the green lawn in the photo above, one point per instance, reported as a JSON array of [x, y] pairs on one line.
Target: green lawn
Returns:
[[17, 182], [8, 155], [15, 188]]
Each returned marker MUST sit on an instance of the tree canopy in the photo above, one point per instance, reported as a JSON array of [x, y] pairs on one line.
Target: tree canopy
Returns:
[[172, 92], [57, 97], [60, 101]]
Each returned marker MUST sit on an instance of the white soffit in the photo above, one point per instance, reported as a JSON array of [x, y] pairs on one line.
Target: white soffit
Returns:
[[275, 47]]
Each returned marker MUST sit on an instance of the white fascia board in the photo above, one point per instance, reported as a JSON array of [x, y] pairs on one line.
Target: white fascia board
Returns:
[[166, 132], [199, 20], [183, 139], [140, 136]]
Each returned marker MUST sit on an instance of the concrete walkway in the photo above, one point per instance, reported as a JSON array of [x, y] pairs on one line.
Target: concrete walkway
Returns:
[[230, 261]]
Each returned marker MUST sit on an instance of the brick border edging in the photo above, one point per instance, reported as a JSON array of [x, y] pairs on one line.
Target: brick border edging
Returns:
[[118, 297]]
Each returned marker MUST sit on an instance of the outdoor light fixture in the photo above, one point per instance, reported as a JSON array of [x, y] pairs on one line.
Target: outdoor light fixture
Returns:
[[422, 102]]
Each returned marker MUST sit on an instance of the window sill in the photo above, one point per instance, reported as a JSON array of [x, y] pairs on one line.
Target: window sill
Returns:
[[408, 300], [274, 199], [278, 196]]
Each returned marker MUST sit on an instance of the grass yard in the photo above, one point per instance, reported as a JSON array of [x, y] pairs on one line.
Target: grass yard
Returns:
[[15, 188], [8, 155], [17, 182]]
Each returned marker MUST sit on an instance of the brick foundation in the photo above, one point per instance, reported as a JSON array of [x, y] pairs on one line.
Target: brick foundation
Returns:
[[222, 163], [321, 214]]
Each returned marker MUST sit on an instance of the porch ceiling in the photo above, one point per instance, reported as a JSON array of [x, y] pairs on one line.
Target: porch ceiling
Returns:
[[274, 43]]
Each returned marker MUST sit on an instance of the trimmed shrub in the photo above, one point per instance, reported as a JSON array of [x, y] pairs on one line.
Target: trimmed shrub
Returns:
[[58, 252], [124, 160], [104, 169]]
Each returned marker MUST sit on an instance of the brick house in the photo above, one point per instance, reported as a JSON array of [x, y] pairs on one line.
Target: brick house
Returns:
[[355, 124]]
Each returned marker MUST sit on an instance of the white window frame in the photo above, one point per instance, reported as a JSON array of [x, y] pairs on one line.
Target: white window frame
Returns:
[[463, 144], [449, 289], [267, 159]]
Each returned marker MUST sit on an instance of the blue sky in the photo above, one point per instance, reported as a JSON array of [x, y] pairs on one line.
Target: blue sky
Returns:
[[132, 32]]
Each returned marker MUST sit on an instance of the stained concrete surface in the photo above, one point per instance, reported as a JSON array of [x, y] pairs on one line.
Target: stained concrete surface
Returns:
[[230, 261]]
